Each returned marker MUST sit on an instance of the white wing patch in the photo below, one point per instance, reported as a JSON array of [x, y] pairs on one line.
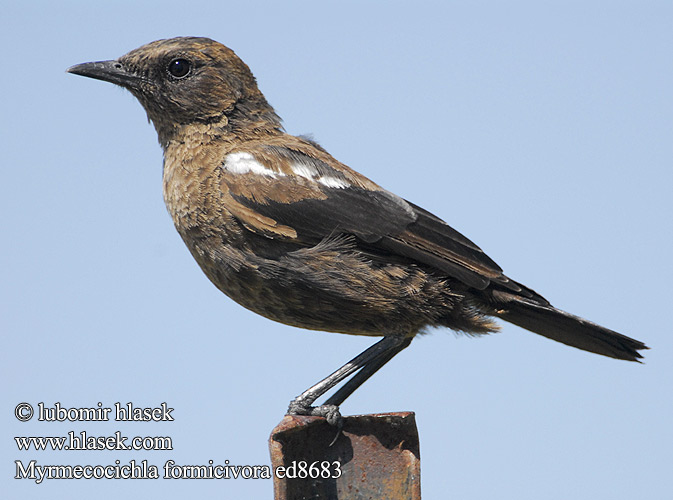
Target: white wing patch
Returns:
[[333, 182], [305, 171], [311, 173], [244, 163]]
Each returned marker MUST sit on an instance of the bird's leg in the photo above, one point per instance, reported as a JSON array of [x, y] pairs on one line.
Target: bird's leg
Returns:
[[368, 362], [367, 371]]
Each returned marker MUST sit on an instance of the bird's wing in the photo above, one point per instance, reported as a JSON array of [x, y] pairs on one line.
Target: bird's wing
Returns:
[[303, 194]]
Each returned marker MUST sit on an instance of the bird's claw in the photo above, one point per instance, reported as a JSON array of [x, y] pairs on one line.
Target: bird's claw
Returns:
[[330, 413]]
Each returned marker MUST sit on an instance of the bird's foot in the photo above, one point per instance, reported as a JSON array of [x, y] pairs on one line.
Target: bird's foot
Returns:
[[331, 413]]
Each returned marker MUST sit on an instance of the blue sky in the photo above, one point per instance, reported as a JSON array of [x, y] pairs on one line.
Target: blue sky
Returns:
[[541, 130]]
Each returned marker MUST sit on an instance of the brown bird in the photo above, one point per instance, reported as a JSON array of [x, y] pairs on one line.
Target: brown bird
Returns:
[[287, 231]]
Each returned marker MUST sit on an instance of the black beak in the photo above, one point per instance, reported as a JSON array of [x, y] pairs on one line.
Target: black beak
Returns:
[[108, 71]]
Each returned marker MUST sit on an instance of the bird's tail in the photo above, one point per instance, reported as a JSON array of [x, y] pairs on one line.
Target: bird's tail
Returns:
[[571, 330]]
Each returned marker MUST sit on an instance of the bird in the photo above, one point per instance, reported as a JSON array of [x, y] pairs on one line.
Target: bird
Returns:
[[289, 232]]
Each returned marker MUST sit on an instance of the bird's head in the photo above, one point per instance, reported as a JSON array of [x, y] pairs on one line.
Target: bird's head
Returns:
[[180, 81]]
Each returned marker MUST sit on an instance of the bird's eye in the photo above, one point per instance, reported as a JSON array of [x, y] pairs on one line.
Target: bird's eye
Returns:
[[179, 68]]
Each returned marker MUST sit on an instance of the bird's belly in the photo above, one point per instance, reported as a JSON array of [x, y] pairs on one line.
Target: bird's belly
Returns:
[[329, 287]]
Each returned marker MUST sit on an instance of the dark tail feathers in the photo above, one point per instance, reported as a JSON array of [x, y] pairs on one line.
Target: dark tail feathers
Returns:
[[571, 330]]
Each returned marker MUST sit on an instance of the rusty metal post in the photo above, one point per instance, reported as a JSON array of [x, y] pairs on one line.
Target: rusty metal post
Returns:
[[374, 457]]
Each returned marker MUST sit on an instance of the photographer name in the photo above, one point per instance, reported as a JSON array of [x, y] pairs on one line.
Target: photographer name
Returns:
[[122, 413]]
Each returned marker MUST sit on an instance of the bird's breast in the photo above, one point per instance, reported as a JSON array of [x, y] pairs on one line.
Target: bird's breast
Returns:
[[190, 183]]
